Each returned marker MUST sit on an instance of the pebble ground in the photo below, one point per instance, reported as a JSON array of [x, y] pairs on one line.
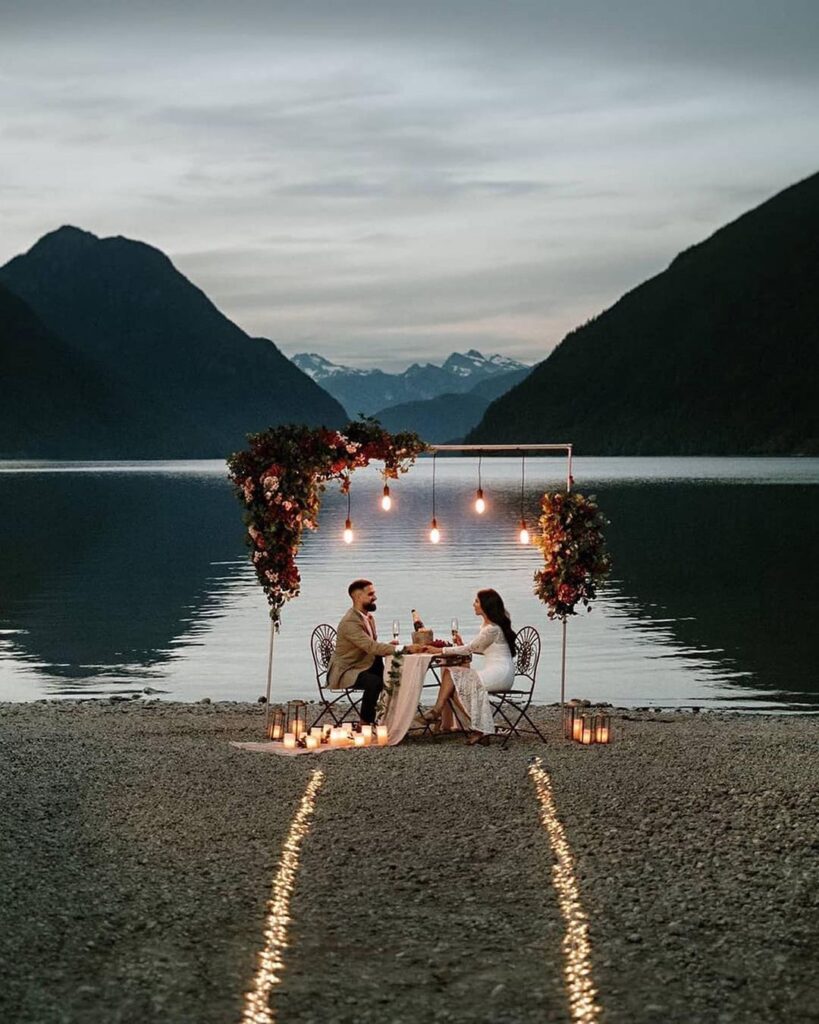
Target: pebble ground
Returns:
[[138, 846]]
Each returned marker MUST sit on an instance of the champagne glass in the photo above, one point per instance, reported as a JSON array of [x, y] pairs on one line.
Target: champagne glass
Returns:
[[455, 629], [396, 629]]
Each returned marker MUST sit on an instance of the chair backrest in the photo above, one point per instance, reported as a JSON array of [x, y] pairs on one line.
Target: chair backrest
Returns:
[[528, 653], [322, 647]]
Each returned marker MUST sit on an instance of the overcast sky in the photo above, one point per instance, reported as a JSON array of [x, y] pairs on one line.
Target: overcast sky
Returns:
[[385, 182]]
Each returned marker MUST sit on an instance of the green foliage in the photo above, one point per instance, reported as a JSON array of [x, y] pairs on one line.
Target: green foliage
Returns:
[[392, 684]]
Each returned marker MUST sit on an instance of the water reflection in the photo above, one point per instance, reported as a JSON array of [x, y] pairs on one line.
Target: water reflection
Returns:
[[101, 573], [726, 570], [122, 577]]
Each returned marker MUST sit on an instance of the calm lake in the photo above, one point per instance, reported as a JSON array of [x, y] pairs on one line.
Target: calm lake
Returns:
[[119, 577]]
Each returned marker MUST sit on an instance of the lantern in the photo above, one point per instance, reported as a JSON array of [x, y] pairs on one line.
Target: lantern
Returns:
[[296, 718], [570, 715], [602, 728], [587, 730], [275, 726]]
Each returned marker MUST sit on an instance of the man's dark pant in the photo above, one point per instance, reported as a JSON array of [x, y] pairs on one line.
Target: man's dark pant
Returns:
[[372, 683]]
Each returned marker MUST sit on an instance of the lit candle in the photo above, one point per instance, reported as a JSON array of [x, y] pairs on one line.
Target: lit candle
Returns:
[[290, 740], [348, 728], [587, 735], [577, 728], [359, 740], [602, 729], [381, 735], [312, 742], [337, 737], [367, 733]]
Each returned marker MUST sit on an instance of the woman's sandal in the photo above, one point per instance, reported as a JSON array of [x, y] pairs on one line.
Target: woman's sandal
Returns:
[[431, 715], [478, 738]]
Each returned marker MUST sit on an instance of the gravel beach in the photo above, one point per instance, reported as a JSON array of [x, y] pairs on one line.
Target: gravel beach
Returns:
[[138, 849]]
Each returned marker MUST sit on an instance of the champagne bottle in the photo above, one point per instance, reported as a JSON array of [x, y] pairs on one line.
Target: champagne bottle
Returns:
[[416, 620]]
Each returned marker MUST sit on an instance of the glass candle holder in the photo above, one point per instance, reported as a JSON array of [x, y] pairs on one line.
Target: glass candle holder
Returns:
[[602, 728], [587, 730], [275, 725], [570, 714]]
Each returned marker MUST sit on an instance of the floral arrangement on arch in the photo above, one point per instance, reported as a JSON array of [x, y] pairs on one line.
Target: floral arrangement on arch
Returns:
[[280, 478], [575, 558]]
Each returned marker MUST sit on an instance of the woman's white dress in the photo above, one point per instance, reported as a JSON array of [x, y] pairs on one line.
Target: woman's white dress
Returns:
[[496, 673]]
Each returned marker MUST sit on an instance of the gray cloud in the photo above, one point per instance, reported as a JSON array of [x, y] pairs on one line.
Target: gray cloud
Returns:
[[338, 176]]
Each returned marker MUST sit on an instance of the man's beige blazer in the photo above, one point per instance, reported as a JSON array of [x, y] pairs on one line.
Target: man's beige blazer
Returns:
[[355, 651]]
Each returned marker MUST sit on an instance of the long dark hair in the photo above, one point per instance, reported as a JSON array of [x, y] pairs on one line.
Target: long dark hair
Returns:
[[494, 609]]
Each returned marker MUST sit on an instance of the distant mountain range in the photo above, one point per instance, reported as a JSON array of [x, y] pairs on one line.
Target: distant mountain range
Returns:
[[134, 360], [368, 391], [439, 402], [719, 354]]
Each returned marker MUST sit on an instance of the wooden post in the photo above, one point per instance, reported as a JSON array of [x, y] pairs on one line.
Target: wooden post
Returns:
[[269, 675]]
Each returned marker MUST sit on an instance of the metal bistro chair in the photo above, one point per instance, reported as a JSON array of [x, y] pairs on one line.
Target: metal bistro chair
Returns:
[[512, 706], [322, 647]]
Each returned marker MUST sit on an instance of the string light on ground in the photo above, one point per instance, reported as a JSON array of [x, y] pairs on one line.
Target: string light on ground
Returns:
[[577, 969], [271, 958]]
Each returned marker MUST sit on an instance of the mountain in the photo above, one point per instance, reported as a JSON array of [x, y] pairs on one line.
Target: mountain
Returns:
[[449, 417], [718, 354], [52, 400], [196, 383], [371, 391]]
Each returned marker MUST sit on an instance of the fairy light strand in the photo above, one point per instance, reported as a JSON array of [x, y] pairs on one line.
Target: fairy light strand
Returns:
[[258, 1008], [577, 970]]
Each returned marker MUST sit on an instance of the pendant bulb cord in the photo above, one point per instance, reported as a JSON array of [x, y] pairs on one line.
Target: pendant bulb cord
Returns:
[[480, 456], [522, 483], [348, 503]]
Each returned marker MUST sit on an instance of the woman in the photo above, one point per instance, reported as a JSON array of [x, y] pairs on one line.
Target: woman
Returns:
[[470, 687]]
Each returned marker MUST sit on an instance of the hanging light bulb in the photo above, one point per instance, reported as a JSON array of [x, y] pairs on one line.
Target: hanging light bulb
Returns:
[[434, 532], [348, 523], [523, 536], [480, 504], [386, 501]]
